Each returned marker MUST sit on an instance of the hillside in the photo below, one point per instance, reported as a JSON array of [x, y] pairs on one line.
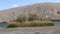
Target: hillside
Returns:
[[46, 10]]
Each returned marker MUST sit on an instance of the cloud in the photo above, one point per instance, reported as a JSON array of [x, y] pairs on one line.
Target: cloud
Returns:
[[14, 5]]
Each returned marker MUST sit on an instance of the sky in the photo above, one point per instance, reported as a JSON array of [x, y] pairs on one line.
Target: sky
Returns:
[[6, 4]]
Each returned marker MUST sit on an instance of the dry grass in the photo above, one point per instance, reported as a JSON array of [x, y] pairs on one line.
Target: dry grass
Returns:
[[31, 24]]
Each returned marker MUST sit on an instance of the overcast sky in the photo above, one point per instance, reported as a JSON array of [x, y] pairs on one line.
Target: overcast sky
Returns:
[[6, 4]]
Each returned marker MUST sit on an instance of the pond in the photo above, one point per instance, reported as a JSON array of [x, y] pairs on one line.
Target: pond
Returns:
[[3, 25], [56, 23]]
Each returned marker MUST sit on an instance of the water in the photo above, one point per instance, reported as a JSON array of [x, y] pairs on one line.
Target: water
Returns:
[[56, 23], [3, 25]]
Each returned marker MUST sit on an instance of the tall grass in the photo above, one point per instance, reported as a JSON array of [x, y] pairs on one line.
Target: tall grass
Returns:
[[32, 24]]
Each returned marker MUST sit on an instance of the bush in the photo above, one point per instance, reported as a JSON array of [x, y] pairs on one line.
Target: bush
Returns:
[[33, 17], [30, 17], [21, 18]]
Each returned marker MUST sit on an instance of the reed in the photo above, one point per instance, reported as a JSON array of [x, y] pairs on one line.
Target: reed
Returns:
[[31, 24]]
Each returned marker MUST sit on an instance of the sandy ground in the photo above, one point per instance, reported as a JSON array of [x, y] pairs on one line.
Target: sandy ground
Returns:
[[31, 30]]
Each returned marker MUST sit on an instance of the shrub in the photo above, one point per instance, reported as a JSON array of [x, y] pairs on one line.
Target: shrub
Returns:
[[21, 18], [33, 17], [30, 17]]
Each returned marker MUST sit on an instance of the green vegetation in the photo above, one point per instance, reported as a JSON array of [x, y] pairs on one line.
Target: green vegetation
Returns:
[[12, 26], [30, 20], [32, 24], [29, 17], [21, 18], [33, 17]]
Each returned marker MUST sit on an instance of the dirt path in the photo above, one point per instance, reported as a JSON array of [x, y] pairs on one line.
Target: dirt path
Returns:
[[31, 30]]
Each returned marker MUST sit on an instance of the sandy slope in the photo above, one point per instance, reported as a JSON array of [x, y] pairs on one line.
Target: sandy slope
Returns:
[[46, 10]]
